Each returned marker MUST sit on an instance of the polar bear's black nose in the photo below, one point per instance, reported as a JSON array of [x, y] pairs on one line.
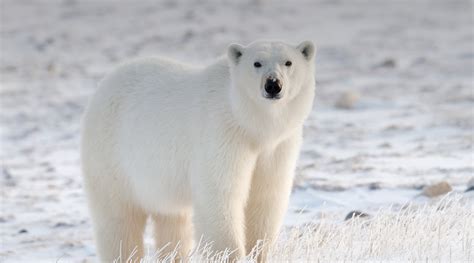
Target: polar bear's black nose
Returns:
[[272, 87]]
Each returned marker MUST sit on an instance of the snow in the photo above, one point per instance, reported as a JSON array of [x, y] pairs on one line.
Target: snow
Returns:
[[409, 63]]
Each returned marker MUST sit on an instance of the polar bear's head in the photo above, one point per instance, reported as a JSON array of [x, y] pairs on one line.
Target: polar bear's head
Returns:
[[272, 71]]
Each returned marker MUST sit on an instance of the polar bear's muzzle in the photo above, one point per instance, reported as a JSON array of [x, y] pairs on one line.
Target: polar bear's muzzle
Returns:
[[272, 88]]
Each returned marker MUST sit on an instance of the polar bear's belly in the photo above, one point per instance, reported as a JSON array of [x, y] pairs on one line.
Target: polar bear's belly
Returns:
[[159, 181], [162, 191], [155, 157]]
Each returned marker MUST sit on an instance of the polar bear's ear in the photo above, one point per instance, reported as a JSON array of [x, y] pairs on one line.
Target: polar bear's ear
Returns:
[[307, 48], [234, 52]]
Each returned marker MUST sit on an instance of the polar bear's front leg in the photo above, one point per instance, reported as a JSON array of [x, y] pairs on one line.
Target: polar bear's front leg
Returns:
[[269, 194], [220, 190]]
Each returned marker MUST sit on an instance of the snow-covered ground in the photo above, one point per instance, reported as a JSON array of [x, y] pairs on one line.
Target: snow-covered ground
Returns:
[[405, 68]]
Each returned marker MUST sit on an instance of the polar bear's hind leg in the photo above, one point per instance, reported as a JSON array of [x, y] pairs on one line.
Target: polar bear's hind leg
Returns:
[[173, 232], [119, 228]]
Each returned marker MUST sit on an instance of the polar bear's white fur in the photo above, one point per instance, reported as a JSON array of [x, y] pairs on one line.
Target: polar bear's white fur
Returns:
[[204, 151]]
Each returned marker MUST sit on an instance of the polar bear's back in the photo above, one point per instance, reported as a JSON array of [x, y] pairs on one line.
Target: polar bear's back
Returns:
[[149, 75], [139, 90]]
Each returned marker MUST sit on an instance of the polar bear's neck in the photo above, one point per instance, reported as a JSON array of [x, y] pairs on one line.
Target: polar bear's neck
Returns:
[[270, 126], [267, 123]]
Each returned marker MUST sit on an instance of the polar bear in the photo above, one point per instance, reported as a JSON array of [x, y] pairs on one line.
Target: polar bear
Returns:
[[205, 152]]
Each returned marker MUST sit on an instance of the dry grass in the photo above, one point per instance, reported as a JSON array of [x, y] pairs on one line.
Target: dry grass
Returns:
[[442, 231]]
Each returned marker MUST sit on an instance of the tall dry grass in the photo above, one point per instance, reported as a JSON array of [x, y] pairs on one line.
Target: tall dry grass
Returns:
[[441, 231]]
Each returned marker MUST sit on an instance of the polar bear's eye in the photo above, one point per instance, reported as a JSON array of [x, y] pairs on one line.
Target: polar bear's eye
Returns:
[[288, 63], [257, 64]]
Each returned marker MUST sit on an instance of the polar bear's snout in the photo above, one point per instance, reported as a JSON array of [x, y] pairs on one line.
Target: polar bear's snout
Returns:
[[273, 88]]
